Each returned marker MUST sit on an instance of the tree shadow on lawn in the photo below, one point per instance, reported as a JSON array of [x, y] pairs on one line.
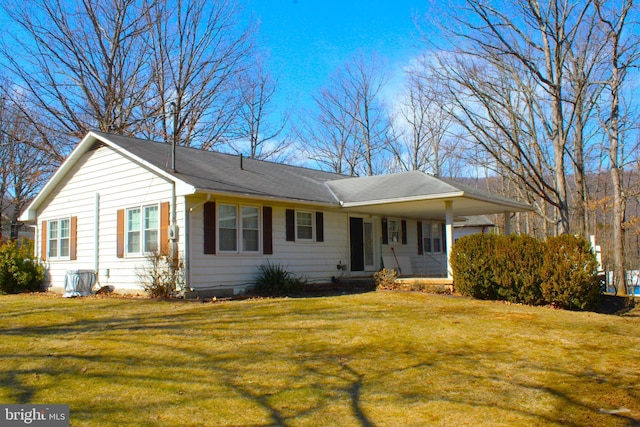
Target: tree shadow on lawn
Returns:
[[240, 371]]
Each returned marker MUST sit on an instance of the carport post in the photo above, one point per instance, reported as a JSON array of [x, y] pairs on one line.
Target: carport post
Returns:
[[507, 223], [449, 234]]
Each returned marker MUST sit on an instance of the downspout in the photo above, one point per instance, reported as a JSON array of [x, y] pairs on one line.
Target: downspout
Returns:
[[174, 240], [96, 238], [187, 243]]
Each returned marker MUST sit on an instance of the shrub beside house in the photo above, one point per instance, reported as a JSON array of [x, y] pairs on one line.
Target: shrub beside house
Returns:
[[561, 271]]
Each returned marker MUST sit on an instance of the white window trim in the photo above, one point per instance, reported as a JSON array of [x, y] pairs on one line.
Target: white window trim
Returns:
[[313, 227], [58, 240], [141, 230], [239, 229]]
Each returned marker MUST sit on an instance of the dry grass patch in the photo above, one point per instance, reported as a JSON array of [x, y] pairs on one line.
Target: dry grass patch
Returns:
[[371, 359]]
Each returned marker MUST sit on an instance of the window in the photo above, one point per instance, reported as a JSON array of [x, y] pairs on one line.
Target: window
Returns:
[[58, 239], [227, 224], [250, 229], [304, 225], [238, 224], [133, 231], [142, 229], [432, 238], [394, 230], [150, 229]]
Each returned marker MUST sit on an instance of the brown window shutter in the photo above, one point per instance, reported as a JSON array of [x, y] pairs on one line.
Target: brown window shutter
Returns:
[[290, 225], [385, 231], [267, 230], [319, 227], [120, 234], [420, 242], [43, 240], [209, 227], [164, 228], [403, 225], [73, 241]]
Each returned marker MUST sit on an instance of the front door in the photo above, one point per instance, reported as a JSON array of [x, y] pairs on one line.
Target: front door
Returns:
[[356, 237], [361, 236]]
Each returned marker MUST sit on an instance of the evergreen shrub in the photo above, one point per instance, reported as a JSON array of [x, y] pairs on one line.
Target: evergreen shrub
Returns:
[[517, 269], [569, 273], [472, 262], [19, 271], [521, 269]]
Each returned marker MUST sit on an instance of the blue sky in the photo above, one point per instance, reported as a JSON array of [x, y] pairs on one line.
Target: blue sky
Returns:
[[308, 39]]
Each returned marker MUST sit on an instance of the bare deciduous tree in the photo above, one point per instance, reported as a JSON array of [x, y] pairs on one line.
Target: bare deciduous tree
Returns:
[[24, 167], [197, 51], [254, 127], [623, 52], [351, 106], [423, 127], [80, 65], [328, 137], [508, 75]]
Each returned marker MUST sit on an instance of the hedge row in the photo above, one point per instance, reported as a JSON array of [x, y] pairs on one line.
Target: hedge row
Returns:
[[561, 271]]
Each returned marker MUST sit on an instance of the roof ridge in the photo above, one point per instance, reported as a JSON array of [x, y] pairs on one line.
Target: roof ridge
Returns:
[[218, 152]]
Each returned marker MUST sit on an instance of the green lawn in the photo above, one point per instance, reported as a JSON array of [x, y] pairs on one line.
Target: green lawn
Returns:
[[375, 359]]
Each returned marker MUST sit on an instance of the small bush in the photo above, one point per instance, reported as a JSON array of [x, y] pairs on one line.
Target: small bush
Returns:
[[19, 272], [569, 273], [162, 276], [275, 280], [385, 278]]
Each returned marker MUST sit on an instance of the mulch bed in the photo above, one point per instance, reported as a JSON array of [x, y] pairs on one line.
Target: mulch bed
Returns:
[[611, 304]]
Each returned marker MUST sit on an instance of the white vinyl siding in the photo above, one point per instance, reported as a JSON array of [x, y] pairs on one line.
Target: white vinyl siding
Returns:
[[312, 262], [95, 201]]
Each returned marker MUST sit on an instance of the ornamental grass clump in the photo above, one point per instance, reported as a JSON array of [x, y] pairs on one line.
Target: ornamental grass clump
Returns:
[[276, 280]]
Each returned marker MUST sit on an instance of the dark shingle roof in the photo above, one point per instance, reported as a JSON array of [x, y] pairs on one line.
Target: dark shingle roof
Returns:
[[219, 172], [397, 186]]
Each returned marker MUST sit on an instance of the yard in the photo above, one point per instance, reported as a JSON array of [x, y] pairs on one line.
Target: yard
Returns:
[[372, 359]]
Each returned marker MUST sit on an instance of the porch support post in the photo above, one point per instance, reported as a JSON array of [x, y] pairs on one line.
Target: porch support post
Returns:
[[449, 234], [507, 223]]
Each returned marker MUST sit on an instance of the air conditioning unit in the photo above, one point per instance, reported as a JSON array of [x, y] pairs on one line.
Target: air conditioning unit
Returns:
[[173, 232]]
